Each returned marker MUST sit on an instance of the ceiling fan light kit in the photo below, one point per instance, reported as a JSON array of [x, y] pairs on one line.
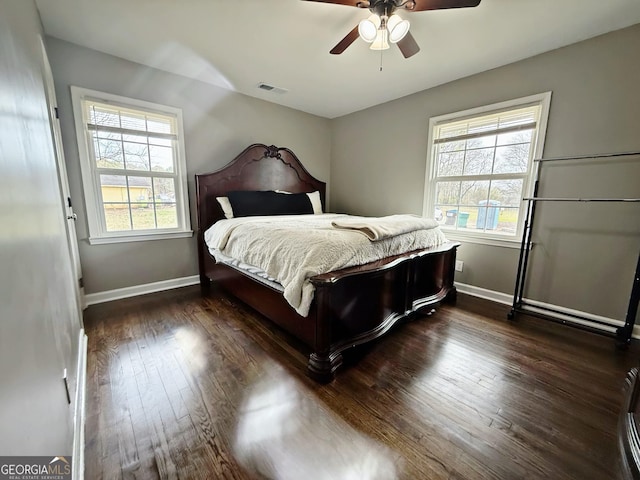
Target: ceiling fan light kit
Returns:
[[380, 43], [368, 28], [397, 28], [379, 31], [383, 26]]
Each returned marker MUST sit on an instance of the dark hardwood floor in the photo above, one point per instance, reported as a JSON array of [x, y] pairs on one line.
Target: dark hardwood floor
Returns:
[[181, 386]]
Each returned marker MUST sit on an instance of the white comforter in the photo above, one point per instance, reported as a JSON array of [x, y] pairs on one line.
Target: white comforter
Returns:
[[294, 248]]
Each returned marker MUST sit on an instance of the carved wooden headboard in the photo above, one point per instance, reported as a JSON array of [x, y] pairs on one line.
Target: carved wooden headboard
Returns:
[[258, 167]]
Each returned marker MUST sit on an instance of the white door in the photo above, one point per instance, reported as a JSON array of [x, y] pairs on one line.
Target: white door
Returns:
[[63, 180]]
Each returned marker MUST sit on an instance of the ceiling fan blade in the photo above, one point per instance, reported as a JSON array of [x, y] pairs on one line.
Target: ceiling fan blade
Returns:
[[408, 46], [421, 5], [349, 3], [345, 42]]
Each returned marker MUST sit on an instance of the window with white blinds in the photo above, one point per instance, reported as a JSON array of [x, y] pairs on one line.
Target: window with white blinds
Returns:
[[480, 166], [133, 167]]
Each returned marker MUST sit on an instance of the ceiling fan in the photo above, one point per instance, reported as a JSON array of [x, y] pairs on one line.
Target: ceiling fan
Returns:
[[384, 25]]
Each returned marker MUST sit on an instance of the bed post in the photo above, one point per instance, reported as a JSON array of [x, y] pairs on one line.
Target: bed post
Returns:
[[322, 363], [205, 281], [203, 221], [452, 294]]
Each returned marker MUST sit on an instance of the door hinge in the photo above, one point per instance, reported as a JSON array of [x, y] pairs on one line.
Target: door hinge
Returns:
[[69, 202], [81, 282], [55, 109]]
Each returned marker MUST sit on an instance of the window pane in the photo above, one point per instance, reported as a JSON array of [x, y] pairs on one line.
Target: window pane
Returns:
[[482, 142], [466, 218], [448, 214], [167, 215], [508, 221], [447, 193], [522, 136], [473, 192], [488, 215], [117, 217], [512, 158], [478, 162], [143, 216], [507, 192], [164, 190], [136, 156], [140, 189], [450, 163], [161, 158], [108, 153], [114, 188]]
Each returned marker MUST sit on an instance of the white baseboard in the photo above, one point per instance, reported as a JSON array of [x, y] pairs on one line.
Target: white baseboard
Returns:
[[119, 293], [492, 295], [554, 311], [80, 409]]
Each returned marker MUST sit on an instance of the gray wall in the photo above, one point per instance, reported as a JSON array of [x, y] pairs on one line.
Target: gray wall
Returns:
[[585, 255], [39, 324], [218, 125]]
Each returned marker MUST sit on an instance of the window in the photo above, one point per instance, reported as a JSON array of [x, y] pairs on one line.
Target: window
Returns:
[[133, 168], [480, 166]]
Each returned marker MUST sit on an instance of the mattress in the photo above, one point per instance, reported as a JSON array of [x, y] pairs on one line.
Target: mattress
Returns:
[[252, 271]]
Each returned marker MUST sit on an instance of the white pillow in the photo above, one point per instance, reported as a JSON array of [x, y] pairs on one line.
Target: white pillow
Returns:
[[226, 206], [316, 203]]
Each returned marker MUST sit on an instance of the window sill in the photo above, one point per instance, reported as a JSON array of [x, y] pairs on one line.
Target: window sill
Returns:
[[493, 241], [141, 237]]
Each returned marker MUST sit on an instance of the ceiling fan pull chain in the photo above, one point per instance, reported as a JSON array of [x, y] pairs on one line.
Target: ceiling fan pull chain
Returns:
[[381, 59]]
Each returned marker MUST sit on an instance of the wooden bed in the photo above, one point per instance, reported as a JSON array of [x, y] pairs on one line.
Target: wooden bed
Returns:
[[351, 306]]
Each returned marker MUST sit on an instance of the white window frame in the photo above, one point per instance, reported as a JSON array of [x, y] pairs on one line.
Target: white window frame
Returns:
[[98, 233], [513, 241]]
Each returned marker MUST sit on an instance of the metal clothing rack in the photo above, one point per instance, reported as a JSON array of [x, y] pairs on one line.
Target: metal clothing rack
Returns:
[[622, 334]]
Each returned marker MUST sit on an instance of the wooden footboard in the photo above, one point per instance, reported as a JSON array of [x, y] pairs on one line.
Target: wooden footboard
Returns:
[[357, 305]]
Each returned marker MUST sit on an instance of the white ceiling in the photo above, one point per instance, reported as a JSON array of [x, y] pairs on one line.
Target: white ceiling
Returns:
[[237, 44]]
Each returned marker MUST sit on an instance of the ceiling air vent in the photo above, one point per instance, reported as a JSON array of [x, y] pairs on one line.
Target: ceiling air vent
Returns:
[[270, 88]]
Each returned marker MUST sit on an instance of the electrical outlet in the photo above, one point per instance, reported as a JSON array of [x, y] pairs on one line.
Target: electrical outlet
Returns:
[[459, 265]]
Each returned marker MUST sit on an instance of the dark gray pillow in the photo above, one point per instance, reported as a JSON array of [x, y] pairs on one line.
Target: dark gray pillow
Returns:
[[251, 203]]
